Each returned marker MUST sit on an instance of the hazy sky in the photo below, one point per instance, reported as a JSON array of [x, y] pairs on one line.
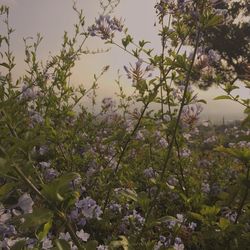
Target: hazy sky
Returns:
[[52, 17]]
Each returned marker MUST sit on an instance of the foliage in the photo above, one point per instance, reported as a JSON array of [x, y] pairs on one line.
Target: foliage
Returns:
[[128, 178]]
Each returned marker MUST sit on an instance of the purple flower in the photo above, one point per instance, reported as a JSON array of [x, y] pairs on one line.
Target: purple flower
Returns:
[[44, 164], [149, 173], [47, 243], [82, 235], [5, 215], [115, 207], [36, 117], [25, 202], [28, 92], [7, 230], [108, 103], [64, 236], [89, 208], [102, 247], [105, 26], [190, 114], [213, 56], [50, 174], [43, 150], [178, 245], [185, 152]]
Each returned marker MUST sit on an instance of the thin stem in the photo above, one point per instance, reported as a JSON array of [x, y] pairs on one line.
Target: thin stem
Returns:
[[239, 211], [113, 174], [119, 46], [174, 131]]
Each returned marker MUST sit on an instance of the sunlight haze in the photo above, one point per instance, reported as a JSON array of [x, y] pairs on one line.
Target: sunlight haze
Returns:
[[51, 18]]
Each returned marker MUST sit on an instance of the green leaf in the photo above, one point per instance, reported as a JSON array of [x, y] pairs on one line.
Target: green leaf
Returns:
[[129, 194], [5, 189], [243, 154], [2, 165], [37, 218], [159, 221], [213, 20], [19, 245], [196, 216], [5, 65], [91, 245], [125, 41], [210, 211], [143, 200], [47, 226], [202, 101], [62, 245], [223, 97], [224, 223], [118, 244], [59, 189]]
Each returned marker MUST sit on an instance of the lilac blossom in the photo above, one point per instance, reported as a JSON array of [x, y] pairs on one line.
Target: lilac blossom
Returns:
[[65, 236], [36, 117], [211, 139], [7, 230], [5, 215], [163, 242], [47, 243], [136, 217], [44, 164], [89, 208], [82, 235], [172, 181], [25, 202], [179, 91], [7, 243], [192, 226], [139, 135], [185, 152], [190, 114], [163, 142], [50, 174], [102, 247], [28, 92], [240, 144], [213, 56], [178, 245], [115, 207], [42, 150], [149, 173], [205, 187], [105, 26], [108, 103]]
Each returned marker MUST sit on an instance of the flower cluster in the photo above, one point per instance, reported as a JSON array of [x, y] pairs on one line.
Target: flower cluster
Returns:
[[206, 58], [29, 93], [105, 26], [190, 114], [240, 144], [88, 208], [108, 104]]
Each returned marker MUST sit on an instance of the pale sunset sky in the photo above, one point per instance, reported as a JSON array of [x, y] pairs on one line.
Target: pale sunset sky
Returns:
[[51, 18]]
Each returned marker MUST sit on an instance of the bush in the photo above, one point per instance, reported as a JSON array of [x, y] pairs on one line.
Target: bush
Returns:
[[128, 178]]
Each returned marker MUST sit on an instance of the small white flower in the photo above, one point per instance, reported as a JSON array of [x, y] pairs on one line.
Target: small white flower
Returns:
[[47, 244], [82, 235]]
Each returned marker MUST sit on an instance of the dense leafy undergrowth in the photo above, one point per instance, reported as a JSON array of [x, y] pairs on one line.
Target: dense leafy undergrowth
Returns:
[[127, 178]]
